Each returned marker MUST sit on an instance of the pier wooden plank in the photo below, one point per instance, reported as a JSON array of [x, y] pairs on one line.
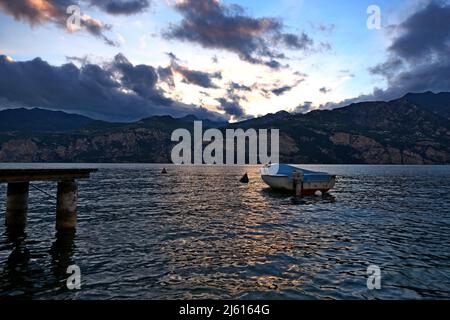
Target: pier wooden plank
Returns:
[[26, 175]]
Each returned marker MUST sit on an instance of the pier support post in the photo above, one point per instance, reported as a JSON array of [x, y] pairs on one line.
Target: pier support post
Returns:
[[17, 204], [66, 205]]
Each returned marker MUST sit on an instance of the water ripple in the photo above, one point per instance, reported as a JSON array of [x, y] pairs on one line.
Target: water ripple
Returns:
[[198, 233]]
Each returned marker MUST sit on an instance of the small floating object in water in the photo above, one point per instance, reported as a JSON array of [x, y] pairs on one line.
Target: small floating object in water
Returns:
[[164, 171], [318, 193], [245, 179]]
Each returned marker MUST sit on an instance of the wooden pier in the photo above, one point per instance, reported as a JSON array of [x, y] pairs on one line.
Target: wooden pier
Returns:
[[18, 181]]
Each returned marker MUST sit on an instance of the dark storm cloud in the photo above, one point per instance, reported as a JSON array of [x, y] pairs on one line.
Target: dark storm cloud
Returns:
[[195, 77], [237, 92], [141, 79], [165, 75], [116, 7], [39, 12], [388, 68], [219, 26], [424, 34], [199, 78], [231, 102], [231, 108], [419, 53], [419, 56], [117, 90]]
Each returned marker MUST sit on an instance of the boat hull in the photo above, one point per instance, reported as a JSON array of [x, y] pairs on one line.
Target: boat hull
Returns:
[[283, 183]]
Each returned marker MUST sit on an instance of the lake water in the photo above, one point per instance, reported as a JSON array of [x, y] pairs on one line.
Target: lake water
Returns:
[[198, 233]]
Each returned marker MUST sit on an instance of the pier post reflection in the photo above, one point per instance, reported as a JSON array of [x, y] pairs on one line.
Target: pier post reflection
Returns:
[[62, 251], [22, 276], [16, 270]]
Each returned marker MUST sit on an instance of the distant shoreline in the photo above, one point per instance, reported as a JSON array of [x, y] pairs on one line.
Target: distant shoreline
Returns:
[[25, 164]]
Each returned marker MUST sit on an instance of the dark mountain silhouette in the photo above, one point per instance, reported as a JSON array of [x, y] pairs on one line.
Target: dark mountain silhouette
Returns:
[[40, 120], [412, 130], [438, 103]]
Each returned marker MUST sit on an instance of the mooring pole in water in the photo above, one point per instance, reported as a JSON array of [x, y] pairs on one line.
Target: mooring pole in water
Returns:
[[66, 205], [298, 183], [17, 204]]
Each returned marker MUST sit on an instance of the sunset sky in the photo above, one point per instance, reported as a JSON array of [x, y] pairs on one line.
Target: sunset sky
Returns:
[[232, 59]]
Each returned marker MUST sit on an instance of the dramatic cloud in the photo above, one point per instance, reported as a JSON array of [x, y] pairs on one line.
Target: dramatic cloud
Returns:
[[387, 69], [117, 7], [115, 91], [419, 56], [141, 79], [166, 76], [199, 78], [37, 12], [217, 26], [231, 103], [231, 108]]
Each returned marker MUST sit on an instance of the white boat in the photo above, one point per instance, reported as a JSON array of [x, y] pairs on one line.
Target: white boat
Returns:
[[293, 178]]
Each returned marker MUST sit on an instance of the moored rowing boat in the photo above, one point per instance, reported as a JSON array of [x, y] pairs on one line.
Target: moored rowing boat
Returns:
[[293, 178]]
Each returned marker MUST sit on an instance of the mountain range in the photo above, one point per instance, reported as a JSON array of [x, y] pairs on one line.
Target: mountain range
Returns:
[[39, 120], [414, 129]]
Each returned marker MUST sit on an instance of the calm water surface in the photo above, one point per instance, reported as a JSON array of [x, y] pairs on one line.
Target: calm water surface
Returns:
[[198, 233]]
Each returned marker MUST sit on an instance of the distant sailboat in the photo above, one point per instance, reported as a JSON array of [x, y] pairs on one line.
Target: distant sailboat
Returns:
[[293, 178]]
